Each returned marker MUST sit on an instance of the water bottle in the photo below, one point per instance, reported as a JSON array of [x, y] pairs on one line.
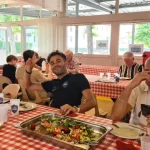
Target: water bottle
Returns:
[[43, 66], [116, 77]]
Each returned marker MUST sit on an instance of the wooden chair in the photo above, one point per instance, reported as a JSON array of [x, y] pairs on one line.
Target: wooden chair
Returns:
[[12, 91], [98, 112], [4, 80], [25, 95]]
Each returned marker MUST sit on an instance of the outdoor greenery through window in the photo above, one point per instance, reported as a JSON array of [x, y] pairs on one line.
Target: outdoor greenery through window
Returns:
[[134, 34], [31, 38], [94, 39]]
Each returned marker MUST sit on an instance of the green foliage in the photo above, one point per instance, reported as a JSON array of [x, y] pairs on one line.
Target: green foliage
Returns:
[[18, 46], [7, 18], [143, 35], [94, 28]]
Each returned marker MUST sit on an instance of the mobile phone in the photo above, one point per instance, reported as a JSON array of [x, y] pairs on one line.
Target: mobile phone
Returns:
[[145, 109]]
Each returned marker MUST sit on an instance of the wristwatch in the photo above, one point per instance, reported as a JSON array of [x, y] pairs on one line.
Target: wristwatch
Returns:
[[77, 108]]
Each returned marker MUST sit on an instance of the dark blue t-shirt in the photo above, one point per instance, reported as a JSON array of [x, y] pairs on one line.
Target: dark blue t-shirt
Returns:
[[68, 90]]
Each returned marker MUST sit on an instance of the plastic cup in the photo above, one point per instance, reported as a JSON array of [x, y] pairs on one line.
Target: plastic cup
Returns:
[[145, 142], [1, 98], [101, 74], [15, 106], [108, 75], [4, 112]]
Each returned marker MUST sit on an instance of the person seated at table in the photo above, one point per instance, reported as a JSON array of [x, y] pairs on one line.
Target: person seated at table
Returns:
[[9, 69], [72, 62], [39, 63], [36, 75], [130, 68], [67, 90], [136, 93]]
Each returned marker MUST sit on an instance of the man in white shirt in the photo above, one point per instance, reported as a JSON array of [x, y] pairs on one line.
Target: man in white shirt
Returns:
[[135, 94]]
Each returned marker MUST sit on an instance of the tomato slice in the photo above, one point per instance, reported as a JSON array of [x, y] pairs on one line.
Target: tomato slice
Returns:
[[57, 131], [33, 126]]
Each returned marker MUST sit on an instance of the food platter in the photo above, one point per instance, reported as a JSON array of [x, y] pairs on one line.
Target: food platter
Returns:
[[64, 131]]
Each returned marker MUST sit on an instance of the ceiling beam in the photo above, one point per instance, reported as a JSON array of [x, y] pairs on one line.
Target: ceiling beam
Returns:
[[71, 4], [93, 5], [137, 4], [100, 1], [85, 11]]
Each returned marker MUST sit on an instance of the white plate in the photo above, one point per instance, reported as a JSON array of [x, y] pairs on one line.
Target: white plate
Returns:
[[26, 106], [125, 78], [106, 80], [1, 124], [125, 131]]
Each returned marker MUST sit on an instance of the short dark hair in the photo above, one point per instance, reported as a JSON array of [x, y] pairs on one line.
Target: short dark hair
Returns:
[[54, 53], [27, 54], [10, 58]]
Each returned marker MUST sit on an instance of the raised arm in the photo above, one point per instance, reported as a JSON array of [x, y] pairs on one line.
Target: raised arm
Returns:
[[121, 106], [30, 63]]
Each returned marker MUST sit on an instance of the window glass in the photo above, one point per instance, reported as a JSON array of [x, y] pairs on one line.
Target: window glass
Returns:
[[31, 33], [71, 38], [134, 34], [9, 14], [94, 39]]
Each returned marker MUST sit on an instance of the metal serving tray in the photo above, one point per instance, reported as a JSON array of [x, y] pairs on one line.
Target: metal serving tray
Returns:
[[24, 126]]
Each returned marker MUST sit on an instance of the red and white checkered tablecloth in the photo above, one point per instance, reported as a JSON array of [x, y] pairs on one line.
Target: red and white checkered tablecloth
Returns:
[[112, 90], [96, 69], [12, 138], [1, 71]]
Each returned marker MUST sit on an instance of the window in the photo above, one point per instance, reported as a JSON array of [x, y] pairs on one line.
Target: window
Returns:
[[30, 13], [3, 45], [90, 39], [8, 14], [70, 38], [134, 34], [31, 39], [71, 43]]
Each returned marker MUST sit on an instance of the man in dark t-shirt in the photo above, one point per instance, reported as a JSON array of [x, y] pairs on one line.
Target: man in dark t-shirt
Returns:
[[67, 90], [9, 69]]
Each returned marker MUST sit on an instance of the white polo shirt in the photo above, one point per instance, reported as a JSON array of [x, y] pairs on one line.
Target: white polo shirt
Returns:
[[139, 95]]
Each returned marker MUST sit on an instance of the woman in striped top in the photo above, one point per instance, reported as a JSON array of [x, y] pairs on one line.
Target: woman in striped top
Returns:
[[130, 68]]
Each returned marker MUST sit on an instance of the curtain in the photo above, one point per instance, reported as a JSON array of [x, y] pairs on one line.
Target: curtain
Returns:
[[45, 37]]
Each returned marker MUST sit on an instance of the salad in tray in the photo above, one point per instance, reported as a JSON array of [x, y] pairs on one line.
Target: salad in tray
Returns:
[[66, 129]]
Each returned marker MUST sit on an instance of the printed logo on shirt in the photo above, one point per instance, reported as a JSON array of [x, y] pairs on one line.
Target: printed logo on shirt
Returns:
[[65, 84], [54, 88]]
